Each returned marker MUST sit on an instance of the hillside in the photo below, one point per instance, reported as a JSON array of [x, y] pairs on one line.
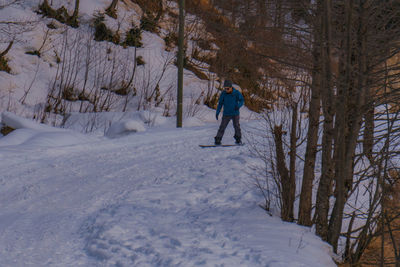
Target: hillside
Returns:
[[105, 65]]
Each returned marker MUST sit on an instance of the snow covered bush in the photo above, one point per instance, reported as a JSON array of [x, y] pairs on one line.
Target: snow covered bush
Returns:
[[124, 128]]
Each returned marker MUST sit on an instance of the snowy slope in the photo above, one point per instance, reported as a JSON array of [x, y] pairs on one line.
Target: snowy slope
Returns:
[[32, 78], [152, 198]]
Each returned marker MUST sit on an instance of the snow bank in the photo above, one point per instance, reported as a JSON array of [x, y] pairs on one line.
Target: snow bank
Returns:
[[123, 123], [192, 121], [28, 133], [124, 128], [16, 122], [34, 138], [152, 118]]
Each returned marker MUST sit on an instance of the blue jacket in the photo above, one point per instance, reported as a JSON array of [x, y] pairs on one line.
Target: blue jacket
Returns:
[[231, 102]]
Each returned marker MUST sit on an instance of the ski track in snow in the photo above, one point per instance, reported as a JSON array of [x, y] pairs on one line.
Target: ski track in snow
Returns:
[[149, 199]]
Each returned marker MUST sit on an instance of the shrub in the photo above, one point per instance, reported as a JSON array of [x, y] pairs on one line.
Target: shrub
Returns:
[[140, 61], [70, 94], [4, 65], [6, 130], [201, 75], [101, 32], [60, 14], [134, 37], [212, 101], [123, 91], [72, 21], [148, 23], [47, 11], [171, 40], [52, 26], [204, 44]]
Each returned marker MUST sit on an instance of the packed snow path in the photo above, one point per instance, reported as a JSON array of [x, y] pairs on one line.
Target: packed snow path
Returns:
[[149, 199]]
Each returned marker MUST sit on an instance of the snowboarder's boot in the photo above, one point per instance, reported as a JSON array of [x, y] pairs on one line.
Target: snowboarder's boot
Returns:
[[238, 140], [217, 140]]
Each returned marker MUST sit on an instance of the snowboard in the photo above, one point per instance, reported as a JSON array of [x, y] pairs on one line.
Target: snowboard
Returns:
[[203, 146]]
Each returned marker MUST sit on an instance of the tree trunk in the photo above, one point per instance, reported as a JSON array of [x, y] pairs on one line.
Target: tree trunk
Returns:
[[342, 132], [305, 206], [325, 183], [287, 205], [181, 55], [328, 107], [76, 10], [368, 142], [353, 118], [310, 157], [292, 162]]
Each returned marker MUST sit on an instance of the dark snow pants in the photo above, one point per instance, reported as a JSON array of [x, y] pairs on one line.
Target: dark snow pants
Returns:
[[225, 121]]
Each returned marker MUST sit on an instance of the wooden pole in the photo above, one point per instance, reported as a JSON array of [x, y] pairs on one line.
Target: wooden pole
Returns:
[[181, 44]]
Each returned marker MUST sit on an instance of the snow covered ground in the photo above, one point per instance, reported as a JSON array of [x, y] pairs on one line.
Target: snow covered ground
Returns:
[[152, 198], [145, 196]]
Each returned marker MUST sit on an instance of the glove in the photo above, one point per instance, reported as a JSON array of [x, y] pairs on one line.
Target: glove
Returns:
[[236, 108], [216, 116]]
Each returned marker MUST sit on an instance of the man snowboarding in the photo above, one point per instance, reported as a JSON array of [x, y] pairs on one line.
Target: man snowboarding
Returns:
[[232, 100]]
